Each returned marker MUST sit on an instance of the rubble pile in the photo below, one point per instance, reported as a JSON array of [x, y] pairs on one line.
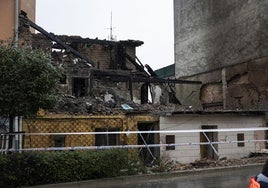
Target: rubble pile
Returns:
[[169, 166], [89, 105]]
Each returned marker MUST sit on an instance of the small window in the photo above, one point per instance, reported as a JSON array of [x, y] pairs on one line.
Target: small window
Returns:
[[59, 141], [106, 139], [170, 139], [63, 79], [240, 139]]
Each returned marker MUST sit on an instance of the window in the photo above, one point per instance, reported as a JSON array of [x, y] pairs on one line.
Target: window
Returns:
[[240, 139], [59, 141], [106, 139], [63, 79], [170, 139]]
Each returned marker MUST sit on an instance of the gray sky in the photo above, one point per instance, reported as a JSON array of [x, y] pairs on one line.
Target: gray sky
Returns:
[[150, 21]]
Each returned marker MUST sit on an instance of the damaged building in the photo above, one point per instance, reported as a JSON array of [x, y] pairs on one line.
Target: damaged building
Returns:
[[105, 88], [215, 83]]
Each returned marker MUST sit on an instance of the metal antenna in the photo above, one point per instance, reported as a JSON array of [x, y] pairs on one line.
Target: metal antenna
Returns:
[[111, 37]]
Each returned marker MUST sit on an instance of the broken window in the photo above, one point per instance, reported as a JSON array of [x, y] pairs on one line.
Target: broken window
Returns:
[[80, 87], [59, 141], [170, 139], [106, 139], [240, 139]]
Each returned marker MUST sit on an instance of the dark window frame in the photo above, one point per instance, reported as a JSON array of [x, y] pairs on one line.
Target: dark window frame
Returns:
[[240, 137], [59, 140], [170, 139], [107, 139]]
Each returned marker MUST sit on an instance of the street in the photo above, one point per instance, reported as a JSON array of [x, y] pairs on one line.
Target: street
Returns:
[[235, 177]]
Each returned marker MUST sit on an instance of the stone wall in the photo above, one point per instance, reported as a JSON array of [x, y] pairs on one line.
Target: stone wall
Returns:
[[238, 87]]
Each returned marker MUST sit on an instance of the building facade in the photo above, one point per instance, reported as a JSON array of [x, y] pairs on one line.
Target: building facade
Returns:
[[9, 16], [229, 144], [224, 44]]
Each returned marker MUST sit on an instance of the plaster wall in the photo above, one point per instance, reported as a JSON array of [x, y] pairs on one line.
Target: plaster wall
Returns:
[[211, 34], [7, 16], [190, 153]]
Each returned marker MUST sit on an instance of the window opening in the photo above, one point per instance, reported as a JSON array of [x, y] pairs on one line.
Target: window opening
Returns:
[[170, 139], [59, 141], [144, 94], [240, 139], [106, 139]]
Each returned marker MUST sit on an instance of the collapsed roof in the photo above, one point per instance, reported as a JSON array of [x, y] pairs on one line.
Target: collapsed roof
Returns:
[[94, 69]]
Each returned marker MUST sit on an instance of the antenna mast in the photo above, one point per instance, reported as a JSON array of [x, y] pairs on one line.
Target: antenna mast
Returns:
[[111, 36], [111, 27]]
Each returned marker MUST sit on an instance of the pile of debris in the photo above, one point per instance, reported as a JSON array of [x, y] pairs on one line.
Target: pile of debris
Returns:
[[169, 166], [88, 105]]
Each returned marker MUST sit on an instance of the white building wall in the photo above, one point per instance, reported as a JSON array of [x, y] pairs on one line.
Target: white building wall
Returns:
[[189, 153]]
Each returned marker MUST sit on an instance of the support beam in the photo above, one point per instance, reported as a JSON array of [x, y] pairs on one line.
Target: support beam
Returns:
[[51, 36]]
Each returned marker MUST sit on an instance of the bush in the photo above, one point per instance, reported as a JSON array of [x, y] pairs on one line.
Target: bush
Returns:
[[35, 168]]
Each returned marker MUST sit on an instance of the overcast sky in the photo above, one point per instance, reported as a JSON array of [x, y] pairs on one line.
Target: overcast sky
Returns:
[[150, 21]]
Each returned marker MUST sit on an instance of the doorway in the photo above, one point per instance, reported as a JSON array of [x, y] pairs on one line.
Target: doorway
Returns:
[[209, 151], [79, 87], [148, 154]]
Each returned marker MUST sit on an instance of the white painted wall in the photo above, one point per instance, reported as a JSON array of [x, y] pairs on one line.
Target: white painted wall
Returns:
[[186, 154]]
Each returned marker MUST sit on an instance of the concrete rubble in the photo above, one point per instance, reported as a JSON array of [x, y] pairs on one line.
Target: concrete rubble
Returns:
[[169, 166]]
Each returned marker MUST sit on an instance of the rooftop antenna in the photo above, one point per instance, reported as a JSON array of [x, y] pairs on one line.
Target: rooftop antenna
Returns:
[[111, 36]]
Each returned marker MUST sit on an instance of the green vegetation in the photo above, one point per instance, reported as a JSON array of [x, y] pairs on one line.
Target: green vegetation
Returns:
[[28, 82], [35, 168]]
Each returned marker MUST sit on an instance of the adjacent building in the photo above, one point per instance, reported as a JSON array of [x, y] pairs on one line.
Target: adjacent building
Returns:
[[223, 44]]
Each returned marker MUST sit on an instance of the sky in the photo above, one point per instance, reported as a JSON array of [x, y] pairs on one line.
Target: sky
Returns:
[[150, 21]]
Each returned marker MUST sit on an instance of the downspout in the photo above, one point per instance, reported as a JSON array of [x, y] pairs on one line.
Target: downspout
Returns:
[[16, 23], [15, 121]]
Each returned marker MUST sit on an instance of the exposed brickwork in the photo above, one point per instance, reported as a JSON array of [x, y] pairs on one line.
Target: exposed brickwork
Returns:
[[248, 89], [246, 86], [211, 93]]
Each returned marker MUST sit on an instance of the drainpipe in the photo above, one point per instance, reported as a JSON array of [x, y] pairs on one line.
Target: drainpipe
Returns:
[[16, 39], [16, 23], [224, 87]]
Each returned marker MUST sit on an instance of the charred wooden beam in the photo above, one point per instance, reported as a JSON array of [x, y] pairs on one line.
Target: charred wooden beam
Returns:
[[150, 70], [117, 75], [51, 36], [139, 67]]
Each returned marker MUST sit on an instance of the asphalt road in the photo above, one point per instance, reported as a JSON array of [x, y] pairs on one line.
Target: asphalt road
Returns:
[[218, 178], [235, 177]]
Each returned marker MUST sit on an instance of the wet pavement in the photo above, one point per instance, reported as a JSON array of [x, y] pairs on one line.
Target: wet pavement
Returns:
[[235, 177]]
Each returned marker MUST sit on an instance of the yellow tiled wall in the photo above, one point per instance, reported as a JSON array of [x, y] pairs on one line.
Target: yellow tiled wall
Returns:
[[65, 124]]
